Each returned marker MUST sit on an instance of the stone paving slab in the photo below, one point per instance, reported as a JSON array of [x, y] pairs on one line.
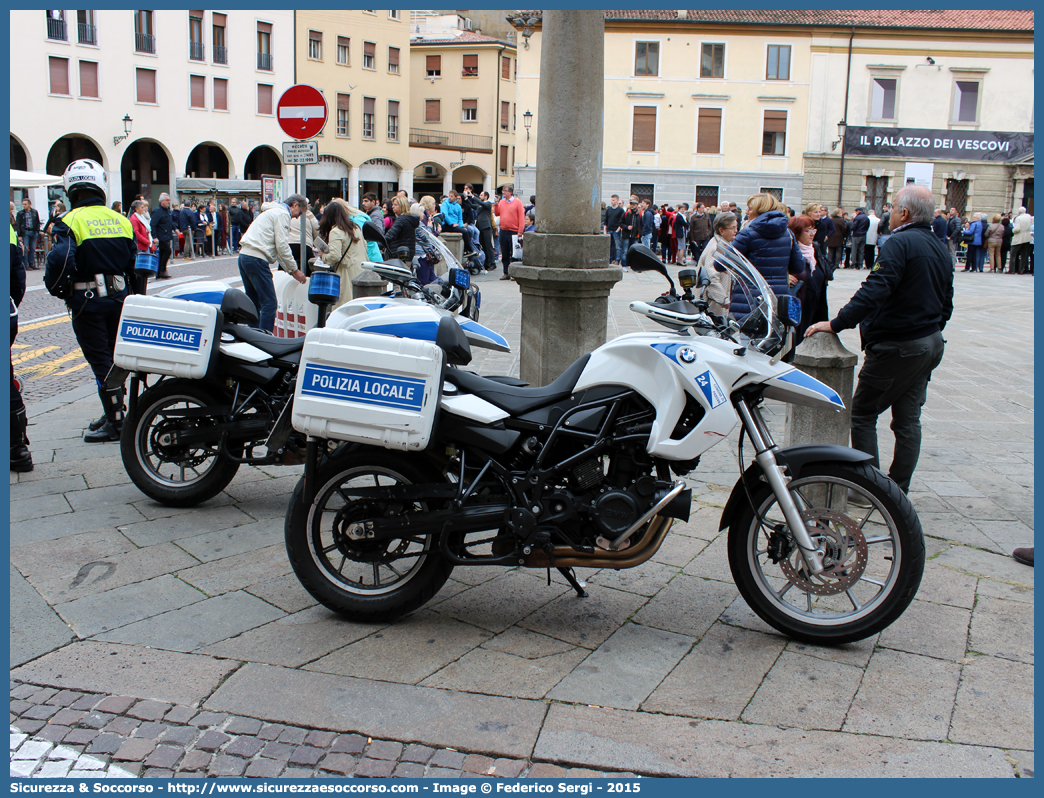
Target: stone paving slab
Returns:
[[487, 724], [102, 612], [38, 628]]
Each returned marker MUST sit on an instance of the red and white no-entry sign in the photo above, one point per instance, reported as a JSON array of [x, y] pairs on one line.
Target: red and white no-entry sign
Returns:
[[302, 111]]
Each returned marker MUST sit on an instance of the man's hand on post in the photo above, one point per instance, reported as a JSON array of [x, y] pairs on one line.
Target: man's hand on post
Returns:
[[299, 276], [819, 326]]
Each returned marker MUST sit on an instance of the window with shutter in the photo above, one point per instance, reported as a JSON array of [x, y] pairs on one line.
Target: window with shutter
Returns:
[[505, 68], [315, 45], [368, 117], [470, 69], [196, 84], [342, 114], [59, 68], [432, 111], [89, 79], [220, 94], [775, 133], [369, 55], [393, 120], [505, 115], [344, 50], [643, 135], [882, 98], [708, 134], [393, 60], [503, 158], [433, 63], [264, 99], [145, 80], [469, 110]]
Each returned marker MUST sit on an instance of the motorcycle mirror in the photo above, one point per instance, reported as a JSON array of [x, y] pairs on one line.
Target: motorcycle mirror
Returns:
[[704, 279], [687, 278], [371, 232], [642, 259]]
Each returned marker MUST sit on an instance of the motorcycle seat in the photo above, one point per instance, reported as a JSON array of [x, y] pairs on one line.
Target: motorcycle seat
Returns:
[[514, 399], [276, 347]]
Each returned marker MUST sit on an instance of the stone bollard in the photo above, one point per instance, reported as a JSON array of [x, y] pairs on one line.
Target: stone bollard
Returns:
[[455, 243], [369, 283], [824, 357]]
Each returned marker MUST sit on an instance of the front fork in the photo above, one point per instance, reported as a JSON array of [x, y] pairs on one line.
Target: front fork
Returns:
[[765, 455]]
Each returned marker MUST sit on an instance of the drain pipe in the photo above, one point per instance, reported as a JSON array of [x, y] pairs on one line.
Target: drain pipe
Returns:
[[848, 83]]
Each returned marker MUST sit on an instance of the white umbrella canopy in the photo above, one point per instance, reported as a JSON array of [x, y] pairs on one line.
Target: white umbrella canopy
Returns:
[[20, 179]]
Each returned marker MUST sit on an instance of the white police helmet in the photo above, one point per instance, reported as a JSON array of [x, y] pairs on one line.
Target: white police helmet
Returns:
[[85, 175]]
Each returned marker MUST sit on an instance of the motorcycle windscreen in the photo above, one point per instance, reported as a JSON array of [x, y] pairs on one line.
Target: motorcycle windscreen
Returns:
[[761, 328], [798, 388]]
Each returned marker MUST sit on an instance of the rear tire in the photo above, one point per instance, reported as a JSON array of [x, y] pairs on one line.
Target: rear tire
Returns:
[[177, 476], [366, 581], [876, 556]]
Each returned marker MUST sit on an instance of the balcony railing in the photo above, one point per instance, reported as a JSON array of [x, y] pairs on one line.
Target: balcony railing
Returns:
[[56, 29], [196, 51], [264, 61], [220, 54], [144, 43], [438, 140], [87, 34]]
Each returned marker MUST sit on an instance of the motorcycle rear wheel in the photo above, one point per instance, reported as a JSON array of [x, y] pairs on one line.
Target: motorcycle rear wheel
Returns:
[[875, 555], [177, 476], [363, 580]]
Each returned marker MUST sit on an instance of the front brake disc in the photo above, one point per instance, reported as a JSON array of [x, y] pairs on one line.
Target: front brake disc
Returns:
[[845, 558]]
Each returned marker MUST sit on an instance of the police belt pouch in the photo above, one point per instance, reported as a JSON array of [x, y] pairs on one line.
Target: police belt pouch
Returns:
[[103, 285], [367, 388], [173, 337]]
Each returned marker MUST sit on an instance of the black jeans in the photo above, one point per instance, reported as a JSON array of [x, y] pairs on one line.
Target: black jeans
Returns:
[[895, 375], [164, 256], [506, 248], [486, 242]]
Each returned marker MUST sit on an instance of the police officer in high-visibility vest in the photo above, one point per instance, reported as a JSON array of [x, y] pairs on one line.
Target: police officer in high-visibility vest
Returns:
[[91, 267], [21, 459]]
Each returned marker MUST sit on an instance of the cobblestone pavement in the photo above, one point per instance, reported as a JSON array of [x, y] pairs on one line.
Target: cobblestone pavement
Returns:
[[663, 670]]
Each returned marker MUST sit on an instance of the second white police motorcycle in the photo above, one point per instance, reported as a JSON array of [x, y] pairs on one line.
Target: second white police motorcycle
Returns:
[[440, 468]]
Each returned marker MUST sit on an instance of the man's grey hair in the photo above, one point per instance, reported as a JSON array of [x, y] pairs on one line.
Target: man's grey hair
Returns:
[[723, 220], [164, 196], [1021, 210], [299, 199], [920, 204]]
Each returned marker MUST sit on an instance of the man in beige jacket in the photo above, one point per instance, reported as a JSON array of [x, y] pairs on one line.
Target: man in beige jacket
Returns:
[[265, 242]]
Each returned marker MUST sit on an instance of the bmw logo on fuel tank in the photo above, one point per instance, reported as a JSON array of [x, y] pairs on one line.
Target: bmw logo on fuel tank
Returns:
[[687, 354]]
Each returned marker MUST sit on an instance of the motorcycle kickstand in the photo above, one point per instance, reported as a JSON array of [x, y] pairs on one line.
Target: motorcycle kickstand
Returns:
[[576, 584]]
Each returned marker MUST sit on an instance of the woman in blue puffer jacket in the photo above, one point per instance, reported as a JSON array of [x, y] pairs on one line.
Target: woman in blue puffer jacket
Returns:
[[769, 246]]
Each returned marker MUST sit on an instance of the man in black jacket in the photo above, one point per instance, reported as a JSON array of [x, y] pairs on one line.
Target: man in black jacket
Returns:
[[187, 225], [614, 215], [162, 225], [901, 309], [28, 222], [482, 209], [860, 227]]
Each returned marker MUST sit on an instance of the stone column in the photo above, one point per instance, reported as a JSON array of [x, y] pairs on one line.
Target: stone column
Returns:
[[565, 275], [406, 181], [487, 184], [824, 357], [353, 187], [447, 183], [1020, 190]]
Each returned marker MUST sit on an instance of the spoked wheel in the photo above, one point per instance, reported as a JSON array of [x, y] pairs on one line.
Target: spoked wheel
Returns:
[[175, 474], [363, 580], [874, 555]]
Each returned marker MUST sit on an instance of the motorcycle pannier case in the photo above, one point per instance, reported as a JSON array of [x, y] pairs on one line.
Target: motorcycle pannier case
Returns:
[[166, 336], [367, 388]]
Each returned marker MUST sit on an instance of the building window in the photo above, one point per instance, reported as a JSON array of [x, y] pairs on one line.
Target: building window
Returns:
[[514, 117], [264, 99], [643, 131], [505, 68], [647, 58], [393, 60], [89, 79], [393, 120], [56, 30], [778, 62], [882, 98], [876, 193], [505, 116], [87, 32], [59, 68], [342, 114], [219, 42], [708, 195], [966, 102], [712, 61], [433, 63], [469, 110], [432, 111], [957, 195], [470, 69], [368, 117], [344, 50], [369, 55], [196, 35], [220, 94], [503, 159], [264, 46], [775, 192], [774, 137], [145, 83], [708, 131], [315, 45], [196, 91], [394, 15], [644, 191], [144, 40]]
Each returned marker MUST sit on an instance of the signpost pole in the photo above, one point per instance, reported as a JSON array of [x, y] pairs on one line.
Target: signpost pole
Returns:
[[304, 221]]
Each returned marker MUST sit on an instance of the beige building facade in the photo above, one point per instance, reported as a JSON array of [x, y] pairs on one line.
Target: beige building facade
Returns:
[[464, 113], [359, 60]]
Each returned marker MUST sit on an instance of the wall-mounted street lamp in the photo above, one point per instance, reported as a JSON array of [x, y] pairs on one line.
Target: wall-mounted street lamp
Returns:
[[463, 158], [527, 24], [842, 126], [126, 130]]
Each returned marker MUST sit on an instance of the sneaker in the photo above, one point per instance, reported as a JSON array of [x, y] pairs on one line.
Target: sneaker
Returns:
[[1024, 556]]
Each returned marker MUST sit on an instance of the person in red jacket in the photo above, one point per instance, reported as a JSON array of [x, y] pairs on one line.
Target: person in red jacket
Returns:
[[512, 216], [141, 224]]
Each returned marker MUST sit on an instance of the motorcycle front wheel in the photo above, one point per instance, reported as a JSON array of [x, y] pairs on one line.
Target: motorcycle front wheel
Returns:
[[874, 555], [178, 475], [363, 580]]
